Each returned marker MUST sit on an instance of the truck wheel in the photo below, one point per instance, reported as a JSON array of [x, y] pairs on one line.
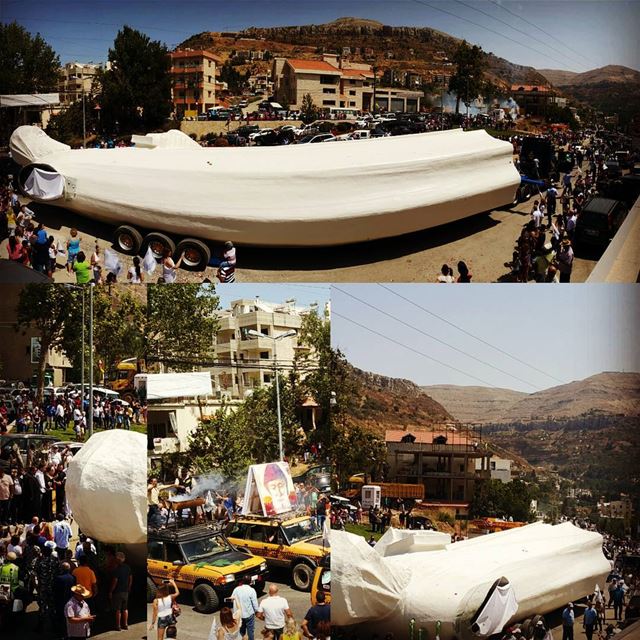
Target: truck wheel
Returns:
[[196, 254], [128, 240], [158, 242], [151, 590], [302, 575], [205, 599]]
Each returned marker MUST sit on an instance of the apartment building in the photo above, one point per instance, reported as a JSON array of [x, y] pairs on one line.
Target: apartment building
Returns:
[[443, 460], [532, 99], [499, 468], [334, 83], [20, 349], [77, 78], [246, 361], [193, 82]]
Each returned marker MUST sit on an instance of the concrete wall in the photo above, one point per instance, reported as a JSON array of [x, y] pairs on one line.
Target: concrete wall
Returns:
[[220, 126]]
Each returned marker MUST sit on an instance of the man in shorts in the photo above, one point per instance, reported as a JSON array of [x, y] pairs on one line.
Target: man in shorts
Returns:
[[119, 592]]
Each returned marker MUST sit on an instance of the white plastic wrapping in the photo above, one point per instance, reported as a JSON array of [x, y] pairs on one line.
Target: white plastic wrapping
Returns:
[[294, 195], [546, 566], [178, 385], [44, 185], [106, 487], [32, 144]]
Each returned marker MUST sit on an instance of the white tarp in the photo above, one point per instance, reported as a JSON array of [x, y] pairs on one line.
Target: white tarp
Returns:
[[31, 144], [44, 185], [292, 195], [30, 100], [106, 487], [178, 385], [547, 566], [172, 139], [498, 610], [398, 541]]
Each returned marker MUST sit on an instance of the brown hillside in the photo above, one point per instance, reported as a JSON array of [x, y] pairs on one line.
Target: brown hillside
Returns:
[[474, 404], [392, 403], [605, 393]]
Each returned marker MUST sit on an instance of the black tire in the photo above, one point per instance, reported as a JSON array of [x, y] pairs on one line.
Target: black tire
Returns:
[[205, 598], [302, 575], [196, 254], [158, 243], [127, 240], [151, 590]]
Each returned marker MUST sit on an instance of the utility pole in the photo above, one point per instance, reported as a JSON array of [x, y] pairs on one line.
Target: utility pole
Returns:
[[90, 418]]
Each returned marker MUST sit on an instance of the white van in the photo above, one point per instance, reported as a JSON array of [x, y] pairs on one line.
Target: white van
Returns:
[[371, 496], [360, 134]]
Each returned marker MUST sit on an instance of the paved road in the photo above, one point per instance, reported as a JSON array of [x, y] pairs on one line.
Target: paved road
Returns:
[[196, 626]]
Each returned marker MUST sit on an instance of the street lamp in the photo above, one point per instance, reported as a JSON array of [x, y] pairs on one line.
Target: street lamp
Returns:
[[90, 416], [287, 334]]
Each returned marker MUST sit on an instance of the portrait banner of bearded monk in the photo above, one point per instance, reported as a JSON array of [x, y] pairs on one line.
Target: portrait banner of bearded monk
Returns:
[[274, 487]]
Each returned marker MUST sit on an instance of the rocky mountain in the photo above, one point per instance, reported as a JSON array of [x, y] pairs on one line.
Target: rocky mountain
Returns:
[[418, 48], [602, 394], [611, 89], [612, 73], [394, 403], [474, 404]]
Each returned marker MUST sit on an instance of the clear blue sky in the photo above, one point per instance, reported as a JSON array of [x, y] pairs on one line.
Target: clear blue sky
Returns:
[[596, 32], [304, 294], [570, 332]]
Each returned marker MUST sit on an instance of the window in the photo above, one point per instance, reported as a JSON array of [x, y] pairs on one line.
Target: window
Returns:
[[264, 331], [493, 466], [173, 553], [155, 550], [329, 103], [328, 79], [209, 93], [352, 104], [264, 355], [352, 93], [267, 378], [328, 91]]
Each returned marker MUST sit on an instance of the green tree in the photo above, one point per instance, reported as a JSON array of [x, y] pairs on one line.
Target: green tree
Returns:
[[67, 126], [308, 110], [494, 498], [181, 324], [27, 63], [48, 308], [467, 82], [135, 94]]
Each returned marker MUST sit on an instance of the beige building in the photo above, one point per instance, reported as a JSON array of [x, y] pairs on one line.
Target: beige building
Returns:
[[444, 461], [622, 508], [193, 82], [19, 349], [77, 78], [247, 362], [334, 84], [499, 468]]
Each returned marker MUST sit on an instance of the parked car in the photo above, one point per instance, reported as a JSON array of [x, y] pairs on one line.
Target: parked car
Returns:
[[203, 561], [291, 540], [320, 137], [599, 221]]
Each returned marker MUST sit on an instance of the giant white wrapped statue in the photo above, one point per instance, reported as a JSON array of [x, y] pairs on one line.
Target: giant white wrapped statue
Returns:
[[106, 487], [469, 589]]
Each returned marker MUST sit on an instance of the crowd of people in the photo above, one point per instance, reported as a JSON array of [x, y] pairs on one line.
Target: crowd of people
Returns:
[[67, 411], [238, 615], [29, 243], [43, 561]]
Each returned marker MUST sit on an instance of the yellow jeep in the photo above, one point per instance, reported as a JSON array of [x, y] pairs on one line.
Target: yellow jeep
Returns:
[[289, 540], [201, 560]]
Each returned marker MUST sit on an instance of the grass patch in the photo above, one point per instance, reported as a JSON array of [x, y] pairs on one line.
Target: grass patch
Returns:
[[68, 433], [362, 530]]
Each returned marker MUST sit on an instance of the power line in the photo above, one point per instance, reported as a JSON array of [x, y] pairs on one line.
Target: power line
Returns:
[[535, 26], [455, 326], [446, 344], [476, 24], [413, 350], [528, 35]]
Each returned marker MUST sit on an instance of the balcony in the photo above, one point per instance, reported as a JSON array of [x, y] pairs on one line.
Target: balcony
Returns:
[[187, 69], [256, 344]]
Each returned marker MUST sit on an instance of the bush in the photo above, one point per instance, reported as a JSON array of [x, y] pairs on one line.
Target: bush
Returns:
[[445, 516]]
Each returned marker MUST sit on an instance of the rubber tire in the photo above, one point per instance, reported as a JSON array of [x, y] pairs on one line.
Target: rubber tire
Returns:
[[205, 598], [151, 590], [302, 576], [136, 240], [197, 245], [165, 240]]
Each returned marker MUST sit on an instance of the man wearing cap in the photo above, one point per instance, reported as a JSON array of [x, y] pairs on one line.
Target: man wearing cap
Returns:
[[77, 613], [589, 620], [568, 618]]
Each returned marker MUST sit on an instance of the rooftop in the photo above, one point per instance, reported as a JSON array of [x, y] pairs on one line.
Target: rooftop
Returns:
[[428, 437], [312, 65]]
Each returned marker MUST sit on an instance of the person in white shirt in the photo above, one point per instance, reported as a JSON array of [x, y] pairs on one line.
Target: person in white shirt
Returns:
[[61, 533], [536, 214], [274, 611]]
